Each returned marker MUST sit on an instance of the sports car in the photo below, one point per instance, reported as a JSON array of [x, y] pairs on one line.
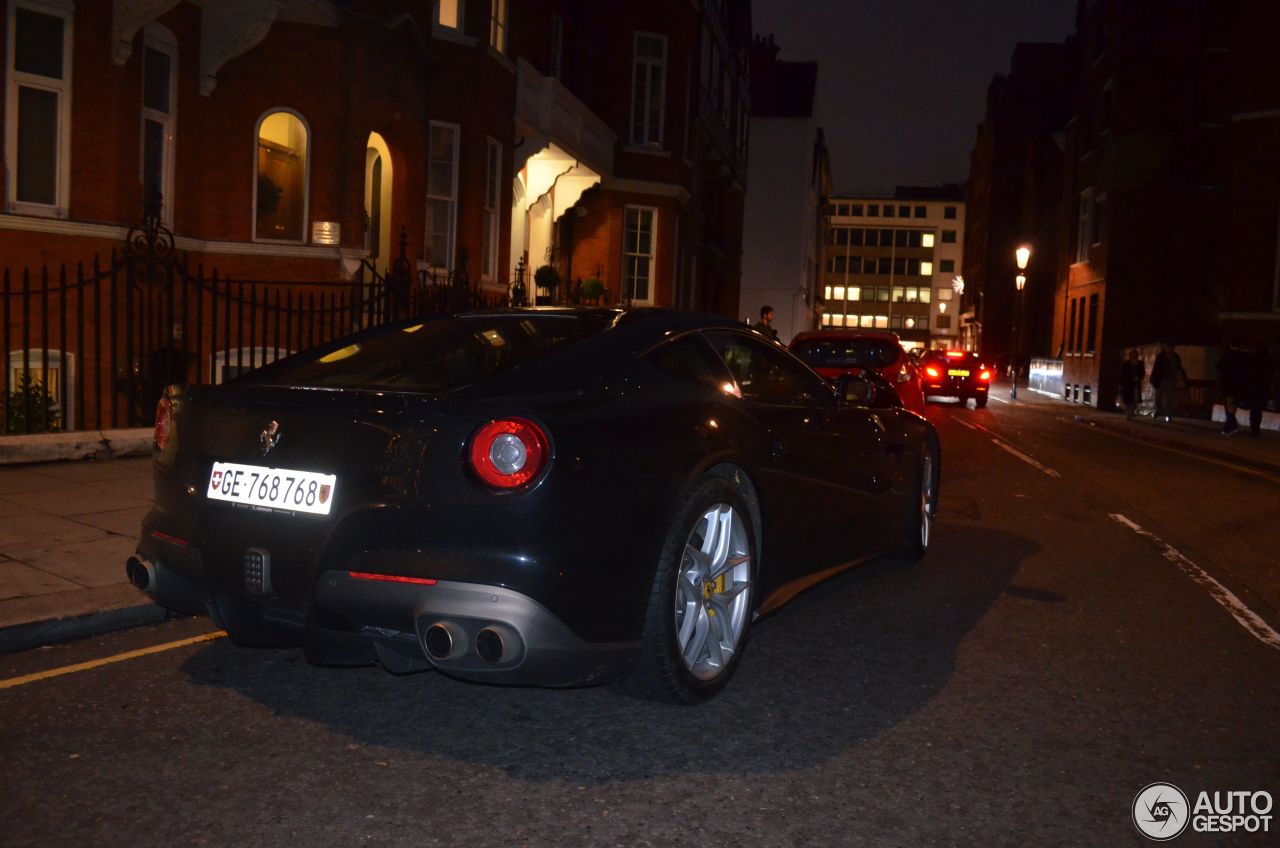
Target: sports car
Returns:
[[836, 353], [555, 497]]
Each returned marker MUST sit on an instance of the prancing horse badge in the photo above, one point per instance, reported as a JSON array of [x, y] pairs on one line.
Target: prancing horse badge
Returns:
[[267, 438]]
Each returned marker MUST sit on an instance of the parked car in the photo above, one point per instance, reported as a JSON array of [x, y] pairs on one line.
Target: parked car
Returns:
[[837, 353], [956, 373], [536, 496]]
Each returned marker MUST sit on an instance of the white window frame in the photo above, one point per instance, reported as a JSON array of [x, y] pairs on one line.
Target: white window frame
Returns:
[[642, 134], [652, 256], [158, 38], [451, 235], [306, 177], [61, 87], [498, 28], [65, 407], [491, 233]]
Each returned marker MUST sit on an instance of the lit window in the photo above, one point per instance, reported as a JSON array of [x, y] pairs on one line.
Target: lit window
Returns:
[[449, 13], [498, 25], [36, 400], [38, 120], [280, 195], [648, 86], [853, 293], [159, 69], [867, 320], [926, 269], [826, 318], [944, 294], [838, 292], [442, 194], [489, 236], [882, 322], [826, 293], [638, 253], [926, 239]]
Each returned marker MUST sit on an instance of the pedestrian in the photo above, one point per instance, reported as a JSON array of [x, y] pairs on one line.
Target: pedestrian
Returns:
[[1131, 373], [765, 325], [1166, 374], [1233, 377], [1258, 390]]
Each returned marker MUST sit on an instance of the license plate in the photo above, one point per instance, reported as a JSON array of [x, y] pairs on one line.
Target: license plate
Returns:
[[957, 372], [272, 488]]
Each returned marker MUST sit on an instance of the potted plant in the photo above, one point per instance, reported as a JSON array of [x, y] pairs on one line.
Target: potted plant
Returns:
[[592, 288], [547, 279]]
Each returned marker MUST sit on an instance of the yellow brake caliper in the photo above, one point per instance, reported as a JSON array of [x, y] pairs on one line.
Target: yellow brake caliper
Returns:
[[712, 587]]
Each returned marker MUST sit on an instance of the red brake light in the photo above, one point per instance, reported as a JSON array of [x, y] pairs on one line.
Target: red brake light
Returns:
[[984, 374], [509, 452], [931, 371], [955, 354], [391, 578], [164, 421]]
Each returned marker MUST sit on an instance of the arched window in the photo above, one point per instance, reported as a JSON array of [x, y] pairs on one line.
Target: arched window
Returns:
[[280, 190]]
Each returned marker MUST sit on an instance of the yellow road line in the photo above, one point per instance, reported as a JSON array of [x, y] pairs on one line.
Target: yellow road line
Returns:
[[127, 655]]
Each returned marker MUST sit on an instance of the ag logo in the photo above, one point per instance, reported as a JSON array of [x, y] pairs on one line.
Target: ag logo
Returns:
[[1161, 812]]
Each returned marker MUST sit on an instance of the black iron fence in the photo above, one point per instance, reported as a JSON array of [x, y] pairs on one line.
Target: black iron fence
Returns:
[[93, 348]]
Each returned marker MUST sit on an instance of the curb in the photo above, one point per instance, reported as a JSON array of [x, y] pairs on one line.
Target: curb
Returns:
[[23, 637], [1171, 440], [82, 444]]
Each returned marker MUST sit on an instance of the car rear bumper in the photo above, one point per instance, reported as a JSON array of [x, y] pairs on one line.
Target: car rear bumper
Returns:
[[469, 630], [955, 388]]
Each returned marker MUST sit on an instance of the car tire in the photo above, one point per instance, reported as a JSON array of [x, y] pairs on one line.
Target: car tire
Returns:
[[702, 600], [980, 402], [923, 506]]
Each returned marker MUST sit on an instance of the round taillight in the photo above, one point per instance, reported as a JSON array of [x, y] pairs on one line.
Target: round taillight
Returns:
[[931, 371], [509, 452], [164, 421], [984, 374]]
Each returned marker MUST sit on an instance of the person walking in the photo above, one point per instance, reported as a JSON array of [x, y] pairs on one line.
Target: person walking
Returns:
[[1166, 373], [765, 325], [1131, 373], [1233, 377], [1258, 390]]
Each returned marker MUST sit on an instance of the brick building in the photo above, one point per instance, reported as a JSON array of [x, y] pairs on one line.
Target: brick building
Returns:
[[300, 141]]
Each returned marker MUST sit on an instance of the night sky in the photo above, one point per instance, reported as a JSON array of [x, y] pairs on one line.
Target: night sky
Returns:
[[902, 84]]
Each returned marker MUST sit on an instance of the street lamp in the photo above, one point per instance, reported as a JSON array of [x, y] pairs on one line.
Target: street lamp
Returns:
[[1022, 255]]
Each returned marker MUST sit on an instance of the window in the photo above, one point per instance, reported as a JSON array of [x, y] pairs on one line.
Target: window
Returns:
[[944, 293], [691, 358], [873, 211], [280, 194], [766, 374], [949, 212], [900, 238], [1071, 329], [856, 209], [913, 238], [449, 14], [888, 211], [492, 196], [38, 117], [498, 25], [1080, 328], [843, 209], [947, 266], [921, 212], [926, 269], [442, 194], [948, 236], [943, 322], [1084, 226], [886, 265], [855, 238], [648, 83], [1092, 336], [557, 45], [638, 253], [159, 69], [904, 211], [926, 239], [42, 403]]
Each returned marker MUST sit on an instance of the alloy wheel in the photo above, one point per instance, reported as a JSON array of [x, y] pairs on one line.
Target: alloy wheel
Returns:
[[712, 592]]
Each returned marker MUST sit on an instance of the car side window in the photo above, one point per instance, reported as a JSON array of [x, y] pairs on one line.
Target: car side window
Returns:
[[766, 374], [690, 357]]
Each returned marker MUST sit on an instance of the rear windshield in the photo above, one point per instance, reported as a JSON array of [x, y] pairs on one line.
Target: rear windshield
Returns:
[[839, 353], [439, 356]]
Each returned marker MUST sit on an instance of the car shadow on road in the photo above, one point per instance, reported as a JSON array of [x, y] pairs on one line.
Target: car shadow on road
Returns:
[[842, 663]]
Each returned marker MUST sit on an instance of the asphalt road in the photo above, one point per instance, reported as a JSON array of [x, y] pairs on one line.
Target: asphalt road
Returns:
[[1046, 662]]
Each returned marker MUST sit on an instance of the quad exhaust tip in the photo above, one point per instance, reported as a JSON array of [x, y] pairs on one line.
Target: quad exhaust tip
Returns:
[[443, 641]]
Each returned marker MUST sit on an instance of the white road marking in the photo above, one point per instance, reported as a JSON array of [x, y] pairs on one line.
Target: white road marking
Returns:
[[990, 396], [964, 423], [1022, 456], [127, 655], [1247, 618]]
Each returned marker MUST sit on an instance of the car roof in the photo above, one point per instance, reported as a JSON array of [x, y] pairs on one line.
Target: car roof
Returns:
[[887, 335]]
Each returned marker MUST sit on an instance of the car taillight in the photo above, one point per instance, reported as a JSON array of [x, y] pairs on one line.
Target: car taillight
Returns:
[[932, 372], [984, 374], [955, 354], [164, 421], [509, 452]]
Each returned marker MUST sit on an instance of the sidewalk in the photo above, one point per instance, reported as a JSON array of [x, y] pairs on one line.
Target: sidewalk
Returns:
[[67, 527]]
